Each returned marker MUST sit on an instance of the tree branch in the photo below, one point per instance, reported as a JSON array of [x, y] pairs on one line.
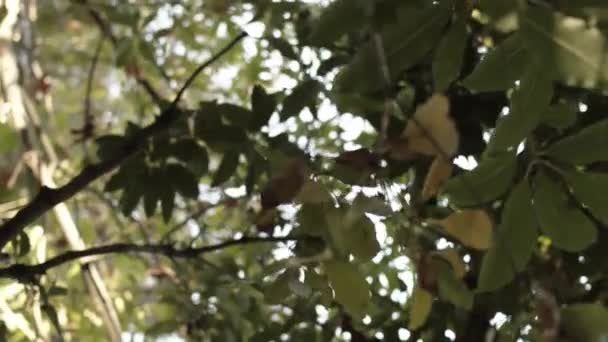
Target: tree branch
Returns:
[[25, 273], [47, 198]]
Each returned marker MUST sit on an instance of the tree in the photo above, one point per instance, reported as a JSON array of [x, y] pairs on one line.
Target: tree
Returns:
[[358, 170]]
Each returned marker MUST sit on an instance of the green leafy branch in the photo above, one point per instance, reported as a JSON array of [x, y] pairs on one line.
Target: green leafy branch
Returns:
[[47, 198]]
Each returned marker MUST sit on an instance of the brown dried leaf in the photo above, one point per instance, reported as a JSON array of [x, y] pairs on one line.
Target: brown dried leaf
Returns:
[[283, 187], [359, 159], [439, 172]]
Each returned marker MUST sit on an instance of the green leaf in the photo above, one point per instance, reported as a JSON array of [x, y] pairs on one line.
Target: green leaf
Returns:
[[585, 322], [9, 139], [299, 288], [193, 154], [420, 309], [406, 42], [453, 289], [283, 47], [23, 245], [339, 18], [311, 218], [262, 105], [584, 147], [320, 284], [314, 192], [308, 332], [561, 115], [117, 181], [572, 49], [57, 291], [357, 103], [254, 170], [52, 315], [350, 288], [279, 290], [513, 243], [182, 180], [167, 201], [498, 9], [209, 127], [126, 52], [129, 199], [351, 232], [488, 181], [500, 68], [565, 224], [528, 104], [303, 95], [582, 3], [372, 205], [331, 63], [109, 146], [449, 55], [225, 137], [235, 115], [227, 168], [496, 268], [156, 180], [360, 239], [590, 189], [518, 228]]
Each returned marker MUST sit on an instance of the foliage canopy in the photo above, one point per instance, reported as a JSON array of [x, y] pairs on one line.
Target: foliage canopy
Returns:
[[227, 170]]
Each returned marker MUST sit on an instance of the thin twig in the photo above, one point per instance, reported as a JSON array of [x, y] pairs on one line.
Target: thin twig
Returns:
[[107, 31], [90, 78], [203, 66], [194, 216], [88, 124]]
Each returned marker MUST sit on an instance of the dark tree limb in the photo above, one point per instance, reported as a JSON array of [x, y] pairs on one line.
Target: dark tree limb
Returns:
[[26, 273], [47, 198]]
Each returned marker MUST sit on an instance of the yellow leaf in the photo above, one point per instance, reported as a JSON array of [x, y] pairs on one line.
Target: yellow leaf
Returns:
[[439, 172], [422, 302], [432, 128], [472, 227]]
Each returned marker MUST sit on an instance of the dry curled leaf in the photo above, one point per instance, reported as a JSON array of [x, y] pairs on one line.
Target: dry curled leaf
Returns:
[[548, 312], [359, 159], [266, 220], [439, 172], [472, 227], [283, 187], [428, 272], [431, 131]]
